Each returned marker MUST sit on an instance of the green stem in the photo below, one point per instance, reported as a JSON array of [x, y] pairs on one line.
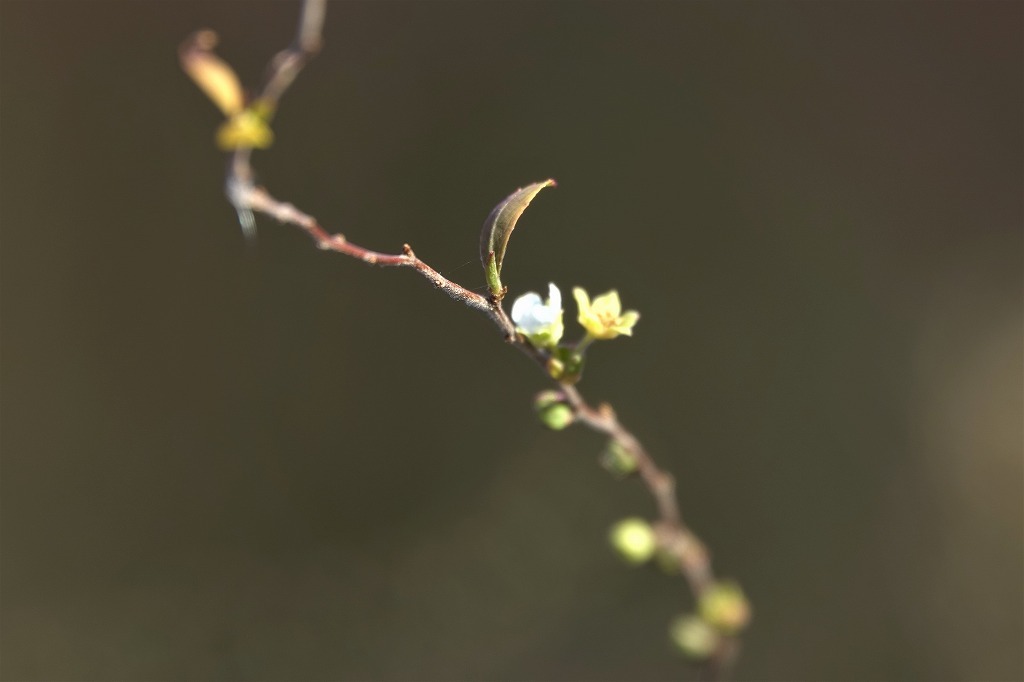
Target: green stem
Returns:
[[582, 344]]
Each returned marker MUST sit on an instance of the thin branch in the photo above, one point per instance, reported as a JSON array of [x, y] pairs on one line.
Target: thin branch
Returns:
[[287, 64], [259, 200], [281, 73], [673, 536]]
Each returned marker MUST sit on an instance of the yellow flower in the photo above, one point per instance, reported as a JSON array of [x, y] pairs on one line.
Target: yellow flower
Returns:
[[604, 319]]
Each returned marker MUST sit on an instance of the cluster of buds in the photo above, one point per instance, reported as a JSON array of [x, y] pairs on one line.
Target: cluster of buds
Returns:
[[722, 609], [722, 612]]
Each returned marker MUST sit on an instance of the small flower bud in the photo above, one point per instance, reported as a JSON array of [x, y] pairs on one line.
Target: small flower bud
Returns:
[[694, 637], [556, 368], [565, 365], [634, 539], [618, 461], [552, 410], [557, 417], [725, 607]]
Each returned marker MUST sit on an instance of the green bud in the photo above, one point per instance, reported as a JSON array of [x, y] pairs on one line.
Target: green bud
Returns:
[[618, 461], [556, 368], [565, 365], [725, 607], [552, 410], [634, 539], [557, 417], [694, 636]]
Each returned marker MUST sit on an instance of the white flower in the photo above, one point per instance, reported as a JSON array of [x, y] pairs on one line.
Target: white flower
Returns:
[[540, 321]]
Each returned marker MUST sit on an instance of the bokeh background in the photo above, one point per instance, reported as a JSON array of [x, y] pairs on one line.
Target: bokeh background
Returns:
[[273, 463]]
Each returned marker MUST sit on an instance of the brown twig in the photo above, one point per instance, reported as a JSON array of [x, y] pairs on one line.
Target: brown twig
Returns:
[[674, 538], [673, 535], [258, 199]]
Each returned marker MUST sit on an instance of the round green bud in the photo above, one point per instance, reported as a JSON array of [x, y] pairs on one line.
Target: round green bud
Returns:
[[693, 636], [725, 607], [557, 416], [634, 539]]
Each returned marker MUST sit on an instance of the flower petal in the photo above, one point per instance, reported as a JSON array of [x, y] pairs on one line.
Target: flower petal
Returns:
[[523, 307], [554, 297], [628, 321], [582, 300], [540, 321], [556, 328], [609, 303]]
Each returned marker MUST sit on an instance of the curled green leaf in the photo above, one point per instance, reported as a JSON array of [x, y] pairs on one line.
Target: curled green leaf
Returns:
[[498, 228]]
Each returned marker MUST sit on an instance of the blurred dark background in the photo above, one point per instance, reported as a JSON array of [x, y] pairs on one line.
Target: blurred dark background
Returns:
[[271, 463]]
